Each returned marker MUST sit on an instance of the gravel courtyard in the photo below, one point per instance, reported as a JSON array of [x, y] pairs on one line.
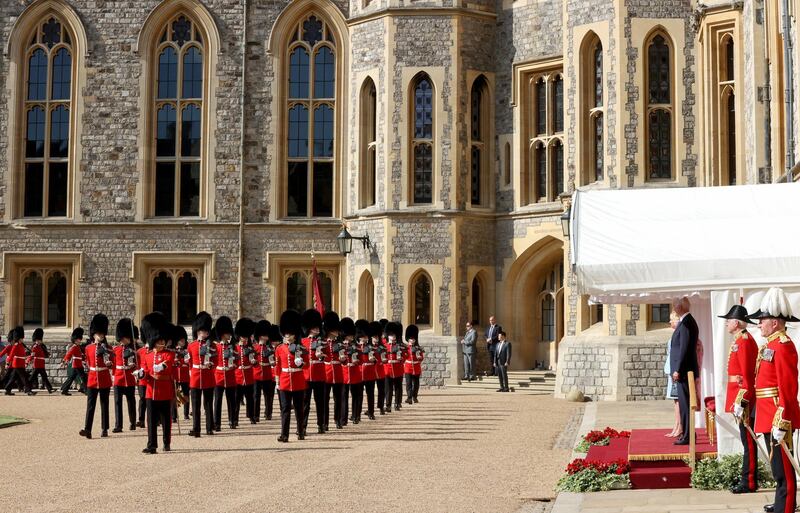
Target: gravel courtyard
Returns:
[[452, 452]]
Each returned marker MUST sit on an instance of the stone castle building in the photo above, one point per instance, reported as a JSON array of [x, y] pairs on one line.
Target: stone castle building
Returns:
[[187, 155]]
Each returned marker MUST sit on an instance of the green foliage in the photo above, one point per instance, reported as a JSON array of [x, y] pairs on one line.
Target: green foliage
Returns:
[[724, 473], [591, 480]]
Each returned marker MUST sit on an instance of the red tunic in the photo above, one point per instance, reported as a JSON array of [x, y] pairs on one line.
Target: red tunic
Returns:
[[100, 369], [776, 382], [334, 374], [369, 363], [352, 369], [413, 364], [244, 366], [15, 355], [124, 367], [201, 372], [315, 370], [741, 369], [290, 377], [37, 357], [394, 363], [225, 370], [140, 355], [381, 358], [181, 369], [160, 384], [262, 371], [74, 356]]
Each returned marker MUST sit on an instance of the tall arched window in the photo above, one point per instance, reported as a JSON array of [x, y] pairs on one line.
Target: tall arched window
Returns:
[[178, 120], [421, 289], [507, 164], [548, 318], [727, 108], [549, 314], [543, 178], [479, 142], [593, 109], [47, 106], [368, 137], [659, 108], [174, 293], [477, 313], [422, 140], [311, 103], [366, 296]]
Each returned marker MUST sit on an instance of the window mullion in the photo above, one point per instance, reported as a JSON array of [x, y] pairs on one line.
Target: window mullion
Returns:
[[177, 165], [311, 120], [44, 298], [174, 299]]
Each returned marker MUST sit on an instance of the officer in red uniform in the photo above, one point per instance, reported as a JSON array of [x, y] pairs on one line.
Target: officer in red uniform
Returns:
[[159, 374], [265, 360], [74, 358], [777, 410], [245, 376], [225, 373], [741, 393], [16, 354], [290, 360], [413, 363], [141, 384], [202, 355], [369, 364], [334, 374], [353, 388], [394, 365], [317, 354], [375, 336], [100, 359], [181, 370], [37, 358], [125, 363]]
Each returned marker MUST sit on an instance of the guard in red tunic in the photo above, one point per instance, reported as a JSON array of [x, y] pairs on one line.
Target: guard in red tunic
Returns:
[[777, 410], [265, 379], [245, 376], [290, 359], [395, 349], [369, 364], [353, 387], [125, 363], [100, 359], [334, 374], [413, 363], [158, 372], [202, 354], [16, 354], [74, 359], [141, 385], [181, 370], [741, 393], [316, 351], [225, 373], [376, 342], [37, 358]]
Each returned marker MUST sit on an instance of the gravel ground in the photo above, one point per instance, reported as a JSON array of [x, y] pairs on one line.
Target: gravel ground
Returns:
[[452, 452]]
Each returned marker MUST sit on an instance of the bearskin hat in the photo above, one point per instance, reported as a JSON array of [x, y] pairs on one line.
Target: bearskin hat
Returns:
[[394, 328], [135, 332], [154, 328], [76, 333], [223, 326], [10, 336], [274, 333], [375, 329], [19, 333], [244, 328], [383, 323], [179, 333], [202, 322], [290, 323], [331, 322], [262, 329], [412, 332], [124, 329], [99, 324], [362, 328], [38, 334], [348, 327], [311, 319]]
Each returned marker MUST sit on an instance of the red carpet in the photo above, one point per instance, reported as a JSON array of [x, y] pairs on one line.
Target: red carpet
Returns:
[[616, 449]]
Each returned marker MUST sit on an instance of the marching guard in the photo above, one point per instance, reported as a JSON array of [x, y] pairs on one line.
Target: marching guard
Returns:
[[245, 377], [315, 373], [125, 363], [74, 359], [290, 359], [334, 375], [181, 370], [202, 357], [369, 364], [141, 384], [101, 367], [265, 360], [158, 372], [38, 357], [15, 353], [413, 363], [225, 373], [352, 373], [394, 365], [375, 333]]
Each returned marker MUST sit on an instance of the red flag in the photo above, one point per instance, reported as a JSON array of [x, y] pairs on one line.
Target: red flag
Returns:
[[319, 305]]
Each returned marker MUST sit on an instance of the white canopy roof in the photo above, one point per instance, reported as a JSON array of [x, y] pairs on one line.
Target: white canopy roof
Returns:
[[653, 244]]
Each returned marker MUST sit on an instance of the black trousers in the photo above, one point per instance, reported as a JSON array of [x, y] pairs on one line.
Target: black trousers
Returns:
[[91, 403], [45, 382], [336, 388], [267, 388], [316, 389], [369, 388], [357, 397], [20, 377], [412, 386], [206, 396], [749, 477], [394, 389], [185, 390], [381, 384], [683, 405], [130, 395], [158, 412], [230, 401], [784, 474], [245, 392], [344, 405], [492, 358], [78, 374], [291, 400], [142, 402], [502, 374]]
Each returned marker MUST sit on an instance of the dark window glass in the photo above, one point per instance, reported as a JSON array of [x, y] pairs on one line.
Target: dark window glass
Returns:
[[475, 118], [423, 110], [541, 171], [57, 189], [165, 189], [162, 294], [422, 300], [190, 131], [423, 173], [62, 75], [598, 75], [181, 30], [323, 189], [59, 132], [190, 189], [165, 133], [558, 167], [168, 73], [51, 33], [660, 143], [730, 70], [475, 176], [660, 313], [541, 107], [298, 73], [57, 300], [323, 131], [37, 75], [297, 186], [373, 115], [326, 284], [32, 299], [192, 73], [34, 185], [324, 73], [558, 104], [187, 298], [598, 147], [658, 70], [731, 107], [34, 142], [548, 319], [476, 301], [312, 30], [373, 170], [296, 292], [298, 132]]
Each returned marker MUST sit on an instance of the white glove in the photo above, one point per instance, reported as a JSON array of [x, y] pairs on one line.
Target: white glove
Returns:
[[138, 373], [159, 367], [187, 358], [738, 410], [298, 362], [778, 434]]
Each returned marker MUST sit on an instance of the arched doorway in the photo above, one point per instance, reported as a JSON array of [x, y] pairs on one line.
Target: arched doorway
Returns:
[[366, 297]]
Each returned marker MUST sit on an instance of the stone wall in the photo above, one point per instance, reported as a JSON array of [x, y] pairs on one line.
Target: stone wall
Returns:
[[440, 366], [644, 370]]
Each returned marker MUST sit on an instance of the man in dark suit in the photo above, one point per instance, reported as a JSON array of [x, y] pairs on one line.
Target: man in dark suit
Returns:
[[492, 332], [683, 358], [502, 359]]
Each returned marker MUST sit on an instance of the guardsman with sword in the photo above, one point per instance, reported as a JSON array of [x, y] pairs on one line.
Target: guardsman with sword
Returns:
[[202, 355]]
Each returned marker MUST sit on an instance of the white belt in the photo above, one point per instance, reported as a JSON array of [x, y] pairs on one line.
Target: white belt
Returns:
[[39, 358], [223, 369], [245, 367], [368, 363], [195, 366], [333, 363], [20, 357], [414, 362], [98, 369], [77, 358], [317, 362], [120, 367], [291, 369], [395, 361], [352, 365], [264, 364]]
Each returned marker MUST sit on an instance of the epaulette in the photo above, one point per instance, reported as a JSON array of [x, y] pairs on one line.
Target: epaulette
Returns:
[[784, 339]]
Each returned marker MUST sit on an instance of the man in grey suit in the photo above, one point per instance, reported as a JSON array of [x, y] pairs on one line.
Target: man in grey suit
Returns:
[[468, 346], [503, 358], [492, 332]]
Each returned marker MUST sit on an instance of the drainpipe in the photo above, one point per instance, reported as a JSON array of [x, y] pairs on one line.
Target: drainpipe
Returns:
[[240, 284], [767, 96], [788, 89]]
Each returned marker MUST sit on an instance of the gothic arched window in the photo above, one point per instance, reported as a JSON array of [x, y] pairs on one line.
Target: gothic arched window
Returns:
[[659, 108]]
